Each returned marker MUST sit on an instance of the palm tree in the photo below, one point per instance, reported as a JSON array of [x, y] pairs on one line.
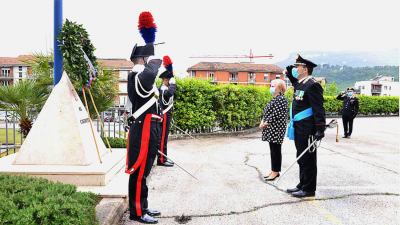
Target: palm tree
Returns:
[[25, 98]]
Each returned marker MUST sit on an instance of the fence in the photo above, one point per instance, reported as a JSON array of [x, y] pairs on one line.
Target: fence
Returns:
[[10, 136]]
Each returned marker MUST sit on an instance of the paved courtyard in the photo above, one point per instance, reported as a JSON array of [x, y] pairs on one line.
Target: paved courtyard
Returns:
[[358, 180]]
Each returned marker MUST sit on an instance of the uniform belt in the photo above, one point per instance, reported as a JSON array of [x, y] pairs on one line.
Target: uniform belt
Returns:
[[154, 118]]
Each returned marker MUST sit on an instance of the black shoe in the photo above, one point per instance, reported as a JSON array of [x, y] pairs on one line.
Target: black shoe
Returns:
[[269, 178], [302, 194], [345, 136], [170, 162], [152, 212], [291, 190], [349, 137], [166, 163], [144, 219]]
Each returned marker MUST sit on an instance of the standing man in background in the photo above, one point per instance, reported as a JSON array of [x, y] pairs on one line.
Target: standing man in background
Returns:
[[349, 110]]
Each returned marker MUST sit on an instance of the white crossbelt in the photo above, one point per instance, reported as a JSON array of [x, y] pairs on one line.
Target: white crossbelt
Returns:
[[145, 107], [168, 108]]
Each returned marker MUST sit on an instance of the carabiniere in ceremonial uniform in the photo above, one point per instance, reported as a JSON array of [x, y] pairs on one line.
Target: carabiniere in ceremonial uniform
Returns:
[[144, 131], [307, 123], [167, 91]]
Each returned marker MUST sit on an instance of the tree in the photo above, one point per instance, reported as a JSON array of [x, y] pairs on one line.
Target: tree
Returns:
[[25, 98], [330, 89]]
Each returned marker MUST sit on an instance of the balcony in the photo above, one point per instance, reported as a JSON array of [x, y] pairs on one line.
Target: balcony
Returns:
[[376, 91], [233, 80], [6, 77]]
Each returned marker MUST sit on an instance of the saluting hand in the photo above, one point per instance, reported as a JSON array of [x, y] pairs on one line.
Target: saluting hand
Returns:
[[289, 70]]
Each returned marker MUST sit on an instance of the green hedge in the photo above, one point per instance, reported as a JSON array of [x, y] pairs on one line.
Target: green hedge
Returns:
[[27, 200], [201, 106], [369, 105]]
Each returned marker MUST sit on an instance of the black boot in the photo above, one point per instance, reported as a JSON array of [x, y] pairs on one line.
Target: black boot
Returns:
[[291, 190], [302, 194], [166, 163]]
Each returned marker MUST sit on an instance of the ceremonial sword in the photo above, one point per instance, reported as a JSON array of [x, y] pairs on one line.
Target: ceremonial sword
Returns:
[[177, 164], [331, 124]]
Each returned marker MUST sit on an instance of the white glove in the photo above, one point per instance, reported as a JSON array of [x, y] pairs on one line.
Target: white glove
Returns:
[[151, 58], [164, 88], [172, 81]]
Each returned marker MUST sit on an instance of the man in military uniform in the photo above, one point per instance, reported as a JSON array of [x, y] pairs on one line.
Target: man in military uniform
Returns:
[[144, 131], [167, 91], [308, 121], [349, 110]]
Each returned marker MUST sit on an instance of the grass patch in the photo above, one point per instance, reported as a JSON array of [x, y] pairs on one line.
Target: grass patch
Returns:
[[3, 133]]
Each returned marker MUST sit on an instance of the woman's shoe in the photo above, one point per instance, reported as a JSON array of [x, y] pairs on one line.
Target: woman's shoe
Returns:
[[271, 178], [265, 177]]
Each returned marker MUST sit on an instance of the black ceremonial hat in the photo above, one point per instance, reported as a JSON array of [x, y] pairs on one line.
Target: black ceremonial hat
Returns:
[[300, 61]]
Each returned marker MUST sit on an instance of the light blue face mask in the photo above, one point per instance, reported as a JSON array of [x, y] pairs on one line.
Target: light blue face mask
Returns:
[[295, 73], [350, 94], [272, 90]]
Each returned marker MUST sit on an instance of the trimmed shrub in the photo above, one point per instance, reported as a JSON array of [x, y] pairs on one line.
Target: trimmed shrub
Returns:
[[193, 107], [115, 142], [202, 107], [28, 200]]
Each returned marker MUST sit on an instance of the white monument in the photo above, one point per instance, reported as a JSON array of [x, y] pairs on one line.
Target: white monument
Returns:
[[61, 146]]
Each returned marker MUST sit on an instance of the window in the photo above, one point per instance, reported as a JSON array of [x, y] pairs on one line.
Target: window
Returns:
[[252, 77], [266, 77], [123, 75], [193, 74], [390, 88], [385, 87], [20, 68], [123, 87], [233, 77], [210, 76], [4, 83], [5, 72]]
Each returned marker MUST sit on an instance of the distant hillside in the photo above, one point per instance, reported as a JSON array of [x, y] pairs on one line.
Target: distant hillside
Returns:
[[354, 59], [346, 76]]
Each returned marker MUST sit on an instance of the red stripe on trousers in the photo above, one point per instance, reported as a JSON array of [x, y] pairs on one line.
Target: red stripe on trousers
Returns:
[[144, 148], [164, 128], [145, 140]]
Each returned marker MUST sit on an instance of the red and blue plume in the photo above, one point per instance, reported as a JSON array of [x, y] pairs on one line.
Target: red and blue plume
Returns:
[[167, 63], [147, 27]]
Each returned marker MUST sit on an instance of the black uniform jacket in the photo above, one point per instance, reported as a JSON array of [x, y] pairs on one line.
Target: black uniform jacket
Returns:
[[146, 79], [350, 105], [308, 93], [165, 95]]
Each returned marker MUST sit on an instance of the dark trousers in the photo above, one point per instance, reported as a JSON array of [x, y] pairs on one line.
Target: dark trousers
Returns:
[[347, 124], [307, 163], [138, 190], [164, 127], [276, 156]]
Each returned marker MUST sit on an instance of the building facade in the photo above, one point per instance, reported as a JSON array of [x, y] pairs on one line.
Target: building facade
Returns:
[[120, 68], [378, 86], [236, 73], [14, 69]]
